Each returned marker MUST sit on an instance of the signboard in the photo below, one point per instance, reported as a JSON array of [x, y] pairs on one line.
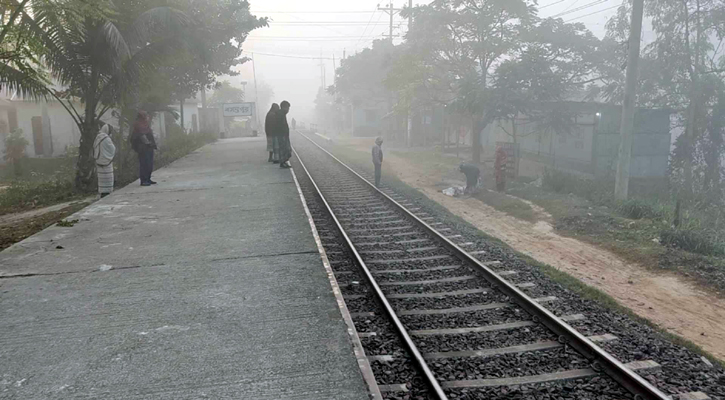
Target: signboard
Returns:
[[238, 109]]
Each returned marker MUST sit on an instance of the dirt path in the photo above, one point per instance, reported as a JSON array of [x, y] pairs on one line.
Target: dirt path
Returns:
[[673, 303], [12, 219]]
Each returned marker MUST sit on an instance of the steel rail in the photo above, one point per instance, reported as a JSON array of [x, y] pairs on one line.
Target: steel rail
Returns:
[[428, 375], [599, 358]]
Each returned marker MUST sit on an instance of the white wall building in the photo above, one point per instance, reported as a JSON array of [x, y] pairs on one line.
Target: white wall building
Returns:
[[51, 131]]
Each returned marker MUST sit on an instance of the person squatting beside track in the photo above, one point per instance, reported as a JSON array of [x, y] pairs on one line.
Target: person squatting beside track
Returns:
[[473, 173], [378, 159], [271, 133]]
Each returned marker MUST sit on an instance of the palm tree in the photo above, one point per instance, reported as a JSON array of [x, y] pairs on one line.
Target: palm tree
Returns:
[[99, 60]]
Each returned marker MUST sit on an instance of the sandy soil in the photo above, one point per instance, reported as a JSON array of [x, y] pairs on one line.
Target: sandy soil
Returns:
[[675, 304]]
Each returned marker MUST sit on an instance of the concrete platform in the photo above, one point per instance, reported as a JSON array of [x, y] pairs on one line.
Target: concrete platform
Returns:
[[208, 285]]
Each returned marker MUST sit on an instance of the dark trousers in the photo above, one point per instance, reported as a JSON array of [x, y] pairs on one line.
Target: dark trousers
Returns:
[[146, 165], [471, 182], [378, 173]]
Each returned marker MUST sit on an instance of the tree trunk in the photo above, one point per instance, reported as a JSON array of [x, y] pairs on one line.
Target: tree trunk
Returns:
[[181, 102], [88, 128], [477, 128]]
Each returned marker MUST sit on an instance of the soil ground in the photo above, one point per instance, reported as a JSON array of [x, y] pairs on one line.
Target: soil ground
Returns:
[[676, 304], [18, 226]]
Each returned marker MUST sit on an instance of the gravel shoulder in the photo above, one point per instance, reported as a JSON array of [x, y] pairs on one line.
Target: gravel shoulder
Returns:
[[669, 301]]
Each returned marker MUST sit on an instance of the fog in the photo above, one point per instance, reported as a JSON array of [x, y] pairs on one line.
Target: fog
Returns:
[[351, 26]]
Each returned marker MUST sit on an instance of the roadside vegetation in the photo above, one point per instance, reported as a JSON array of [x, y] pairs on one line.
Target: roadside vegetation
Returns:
[[106, 60], [641, 229]]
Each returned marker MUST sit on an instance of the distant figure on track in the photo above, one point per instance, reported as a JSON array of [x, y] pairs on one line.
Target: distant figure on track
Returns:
[[500, 169], [378, 159], [473, 173], [143, 142], [285, 148], [294, 124], [104, 152], [269, 129]]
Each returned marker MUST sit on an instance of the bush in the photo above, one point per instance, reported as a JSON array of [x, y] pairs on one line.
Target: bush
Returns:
[[695, 241], [598, 191], [638, 209], [15, 144]]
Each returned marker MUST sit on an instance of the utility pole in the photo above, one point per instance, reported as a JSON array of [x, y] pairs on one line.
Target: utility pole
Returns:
[[256, 93], [391, 11], [410, 109], [626, 128]]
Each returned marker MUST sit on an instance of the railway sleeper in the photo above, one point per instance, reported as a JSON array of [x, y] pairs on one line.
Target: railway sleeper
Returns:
[[636, 366]]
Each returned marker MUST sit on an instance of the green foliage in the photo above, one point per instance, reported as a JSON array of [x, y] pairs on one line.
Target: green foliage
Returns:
[[638, 209], [23, 195], [15, 144], [694, 240], [68, 223], [226, 93]]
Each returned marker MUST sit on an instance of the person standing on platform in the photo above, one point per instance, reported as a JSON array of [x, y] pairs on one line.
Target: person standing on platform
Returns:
[[285, 148], [104, 152], [378, 159], [500, 169], [270, 131], [473, 173], [143, 142]]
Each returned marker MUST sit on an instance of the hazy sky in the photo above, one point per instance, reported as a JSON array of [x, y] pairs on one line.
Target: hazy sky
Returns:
[[308, 29]]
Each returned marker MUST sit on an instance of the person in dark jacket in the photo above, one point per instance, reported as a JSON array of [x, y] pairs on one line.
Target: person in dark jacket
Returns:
[[472, 173], [269, 129], [285, 148], [144, 143], [378, 159]]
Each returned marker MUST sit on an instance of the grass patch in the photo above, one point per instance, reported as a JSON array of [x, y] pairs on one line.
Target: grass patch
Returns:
[[507, 204], [692, 240], [21, 196]]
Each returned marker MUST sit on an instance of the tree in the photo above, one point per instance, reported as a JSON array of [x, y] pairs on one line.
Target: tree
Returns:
[[226, 93], [213, 45], [554, 62], [683, 69], [22, 71], [96, 62], [469, 38]]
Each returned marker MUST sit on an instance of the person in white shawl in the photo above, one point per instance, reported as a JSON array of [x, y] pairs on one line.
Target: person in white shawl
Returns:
[[103, 152]]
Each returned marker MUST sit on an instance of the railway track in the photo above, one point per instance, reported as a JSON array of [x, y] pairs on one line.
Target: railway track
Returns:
[[421, 295]]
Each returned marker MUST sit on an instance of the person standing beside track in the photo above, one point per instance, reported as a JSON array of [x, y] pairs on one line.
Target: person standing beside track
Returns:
[[378, 159], [282, 127], [144, 143], [271, 132]]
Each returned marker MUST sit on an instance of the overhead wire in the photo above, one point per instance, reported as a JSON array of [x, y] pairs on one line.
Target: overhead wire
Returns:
[[551, 4], [593, 13], [288, 56], [580, 8]]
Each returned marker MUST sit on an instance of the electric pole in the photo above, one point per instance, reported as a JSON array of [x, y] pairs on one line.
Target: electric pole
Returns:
[[256, 93], [410, 109], [626, 128], [391, 11]]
